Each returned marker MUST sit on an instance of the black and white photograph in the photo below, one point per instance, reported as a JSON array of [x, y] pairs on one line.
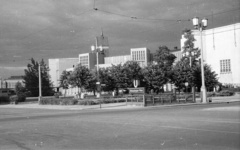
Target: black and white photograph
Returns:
[[119, 75]]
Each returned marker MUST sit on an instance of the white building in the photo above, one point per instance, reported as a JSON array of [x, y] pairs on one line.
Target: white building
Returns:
[[141, 55], [57, 66], [221, 50]]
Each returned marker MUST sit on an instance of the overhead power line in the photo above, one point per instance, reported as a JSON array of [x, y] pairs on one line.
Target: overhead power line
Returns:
[[135, 17]]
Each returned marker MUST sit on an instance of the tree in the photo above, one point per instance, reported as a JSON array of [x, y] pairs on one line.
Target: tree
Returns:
[[155, 77], [105, 78], [64, 80], [31, 79], [119, 77], [20, 92], [158, 73], [80, 77], [133, 71], [182, 73], [188, 48], [211, 80], [164, 58]]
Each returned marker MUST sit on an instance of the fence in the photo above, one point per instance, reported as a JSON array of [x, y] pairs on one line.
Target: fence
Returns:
[[161, 99]]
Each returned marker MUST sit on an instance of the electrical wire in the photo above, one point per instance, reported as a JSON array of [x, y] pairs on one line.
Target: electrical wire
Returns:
[[138, 18]]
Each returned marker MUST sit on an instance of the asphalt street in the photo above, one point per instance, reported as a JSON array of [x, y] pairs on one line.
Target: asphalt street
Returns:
[[210, 126]]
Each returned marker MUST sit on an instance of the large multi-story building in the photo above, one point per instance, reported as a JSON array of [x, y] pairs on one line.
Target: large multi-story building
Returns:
[[221, 50]]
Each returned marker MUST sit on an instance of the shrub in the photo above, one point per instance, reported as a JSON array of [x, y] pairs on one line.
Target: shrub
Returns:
[[87, 102], [14, 99], [69, 102], [21, 97], [4, 99], [49, 101], [226, 93]]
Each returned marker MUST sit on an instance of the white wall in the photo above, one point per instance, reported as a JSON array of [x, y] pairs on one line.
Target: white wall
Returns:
[[219, 44]]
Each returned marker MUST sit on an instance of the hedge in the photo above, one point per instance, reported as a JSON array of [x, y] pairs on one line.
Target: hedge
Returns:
[[67, 101], [4, 99]]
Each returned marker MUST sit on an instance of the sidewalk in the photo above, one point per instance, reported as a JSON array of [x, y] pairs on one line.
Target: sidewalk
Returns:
[[235, 98]]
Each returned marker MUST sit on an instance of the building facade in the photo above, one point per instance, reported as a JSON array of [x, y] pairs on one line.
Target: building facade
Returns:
[[89, 60], [57, 66], [140, 55], [221, 50], [11, 82]]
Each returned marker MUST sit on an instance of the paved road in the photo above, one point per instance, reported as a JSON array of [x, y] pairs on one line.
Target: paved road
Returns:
[[212, 126]]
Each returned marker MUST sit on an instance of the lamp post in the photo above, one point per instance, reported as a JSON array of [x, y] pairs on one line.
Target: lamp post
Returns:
[[98, 49], [40, 83], [201, 26]]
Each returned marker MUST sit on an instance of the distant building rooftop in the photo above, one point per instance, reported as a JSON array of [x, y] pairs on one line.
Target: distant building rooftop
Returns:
[[15, 77]]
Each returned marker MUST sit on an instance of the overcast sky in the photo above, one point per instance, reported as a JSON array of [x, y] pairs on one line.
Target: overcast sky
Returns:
[[65, 28]]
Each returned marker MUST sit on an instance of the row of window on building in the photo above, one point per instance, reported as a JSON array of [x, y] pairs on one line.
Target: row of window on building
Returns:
[[225, 66]]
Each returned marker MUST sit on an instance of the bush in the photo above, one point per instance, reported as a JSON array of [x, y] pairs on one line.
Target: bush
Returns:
[[68, 102], [50, 101], [21, 97], [4, 99], [226, 93], [87, 102], [14, 99]]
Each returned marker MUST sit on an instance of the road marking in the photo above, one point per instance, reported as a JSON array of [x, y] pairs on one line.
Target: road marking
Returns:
[[195, 129], [155, 126], [232, 108]]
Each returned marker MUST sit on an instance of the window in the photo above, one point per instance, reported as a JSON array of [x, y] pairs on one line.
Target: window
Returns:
[[84, 60], [225, 66]]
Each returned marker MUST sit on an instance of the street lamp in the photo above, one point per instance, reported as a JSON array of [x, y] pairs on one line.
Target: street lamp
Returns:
[[98, 49], [201, 26], [40, 83]]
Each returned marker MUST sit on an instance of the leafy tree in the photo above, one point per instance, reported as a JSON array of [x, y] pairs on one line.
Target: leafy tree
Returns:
[[188, 48], [182, 73], [105, 79], [164, 58], [20, 92], [155, 77], [119, 77], [211, 80], [92, 87], [64, 80], [133, 71], [31, 79], [80, 77], [158, 73]]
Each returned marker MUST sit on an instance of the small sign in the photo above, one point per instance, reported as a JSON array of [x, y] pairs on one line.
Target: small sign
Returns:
[[136, 83], [140, 90]]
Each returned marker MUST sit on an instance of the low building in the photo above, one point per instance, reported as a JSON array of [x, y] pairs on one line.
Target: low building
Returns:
[[11, 82], [221, 50]]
